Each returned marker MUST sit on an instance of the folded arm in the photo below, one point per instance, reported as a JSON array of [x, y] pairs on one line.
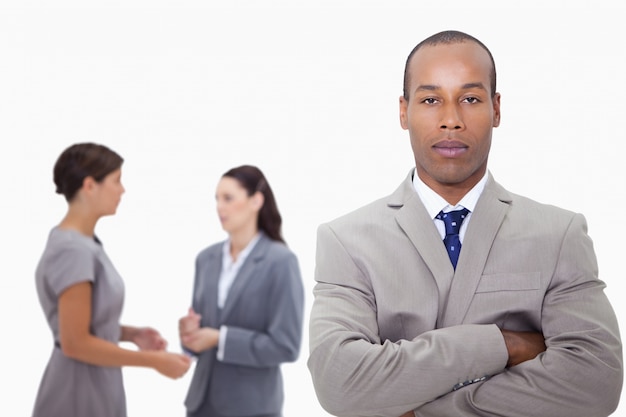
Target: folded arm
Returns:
[[356, 373], [580, 373]]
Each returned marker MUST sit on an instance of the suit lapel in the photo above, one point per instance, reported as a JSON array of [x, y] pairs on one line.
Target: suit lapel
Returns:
[[481, 232], [414, 220], [245, 274], [213, 272]]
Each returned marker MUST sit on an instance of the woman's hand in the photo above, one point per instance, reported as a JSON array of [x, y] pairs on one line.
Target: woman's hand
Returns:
[[147, 338], [172, 365], [194, 337], [201, 339], [189, 323]]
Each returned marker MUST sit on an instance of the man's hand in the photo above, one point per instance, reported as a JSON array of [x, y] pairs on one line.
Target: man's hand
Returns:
[[522, 346]]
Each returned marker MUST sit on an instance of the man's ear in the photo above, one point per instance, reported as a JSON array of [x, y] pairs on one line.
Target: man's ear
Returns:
[[404, 121], [496, 110]]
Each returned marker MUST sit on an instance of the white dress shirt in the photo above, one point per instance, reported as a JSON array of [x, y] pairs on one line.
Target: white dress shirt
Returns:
[[230, 269], [434, 203]]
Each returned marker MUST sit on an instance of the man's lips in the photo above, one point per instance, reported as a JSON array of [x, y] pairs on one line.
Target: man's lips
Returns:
[[450, 148]]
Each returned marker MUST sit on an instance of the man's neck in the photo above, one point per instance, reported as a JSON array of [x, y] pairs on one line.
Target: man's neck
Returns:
[[452, 193]]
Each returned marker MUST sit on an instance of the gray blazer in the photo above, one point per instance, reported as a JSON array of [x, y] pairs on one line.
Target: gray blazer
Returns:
[[394, 328], [264, 313]]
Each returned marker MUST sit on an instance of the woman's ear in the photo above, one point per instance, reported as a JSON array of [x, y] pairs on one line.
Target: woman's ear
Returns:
[[88, 184], [258, 199]]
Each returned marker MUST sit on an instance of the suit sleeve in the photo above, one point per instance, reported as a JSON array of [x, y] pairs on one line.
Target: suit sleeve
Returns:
[[580, 373], [194, 303], [280, 341], [356, 373]]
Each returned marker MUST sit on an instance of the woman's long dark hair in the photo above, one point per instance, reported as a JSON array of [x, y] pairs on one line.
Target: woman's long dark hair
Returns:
[[252, 179]]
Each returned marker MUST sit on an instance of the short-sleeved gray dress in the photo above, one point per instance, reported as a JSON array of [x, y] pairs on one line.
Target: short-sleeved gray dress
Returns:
[[70, 388]]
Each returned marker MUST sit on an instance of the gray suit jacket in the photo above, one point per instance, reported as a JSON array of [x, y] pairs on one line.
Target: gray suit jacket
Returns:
[[264, 313], [394, 328]]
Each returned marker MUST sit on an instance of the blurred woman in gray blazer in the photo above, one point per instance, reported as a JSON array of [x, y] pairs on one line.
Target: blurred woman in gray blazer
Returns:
[[247, 308]]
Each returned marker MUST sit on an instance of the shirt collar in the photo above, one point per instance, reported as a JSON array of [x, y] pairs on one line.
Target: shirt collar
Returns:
[[227, 260], [434, 203]]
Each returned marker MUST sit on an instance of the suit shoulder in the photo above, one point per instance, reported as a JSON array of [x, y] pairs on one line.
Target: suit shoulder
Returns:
[[279, 250], [531, 206], [210, 251], [365, 211], [530, 214], [377, 213], [524, 206]]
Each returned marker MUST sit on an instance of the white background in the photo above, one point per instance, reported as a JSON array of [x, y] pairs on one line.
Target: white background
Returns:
[[185, 90]]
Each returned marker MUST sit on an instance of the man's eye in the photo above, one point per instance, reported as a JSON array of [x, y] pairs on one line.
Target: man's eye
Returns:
[[429, 100], [471, 100]]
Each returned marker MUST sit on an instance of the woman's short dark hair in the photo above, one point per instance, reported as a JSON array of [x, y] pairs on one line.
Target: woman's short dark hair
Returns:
[[252, 179], [80, 161]]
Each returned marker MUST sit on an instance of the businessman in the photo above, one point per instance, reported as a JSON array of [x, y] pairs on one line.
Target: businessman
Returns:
[[453, 296]]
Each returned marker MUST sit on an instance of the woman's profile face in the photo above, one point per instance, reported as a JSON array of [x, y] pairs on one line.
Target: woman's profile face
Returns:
[[235, 208], [108, 193]]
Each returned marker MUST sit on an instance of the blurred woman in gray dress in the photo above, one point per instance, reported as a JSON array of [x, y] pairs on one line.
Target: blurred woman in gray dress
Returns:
[[82, 295]]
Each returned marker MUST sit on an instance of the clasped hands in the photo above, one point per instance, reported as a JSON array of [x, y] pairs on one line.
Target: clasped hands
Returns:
[[194, 337], [147, 339]]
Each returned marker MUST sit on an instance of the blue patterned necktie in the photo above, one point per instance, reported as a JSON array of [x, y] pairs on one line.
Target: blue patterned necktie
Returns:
[[453, 221]]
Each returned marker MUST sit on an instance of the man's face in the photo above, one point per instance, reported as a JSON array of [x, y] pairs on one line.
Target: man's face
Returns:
[[450, 114]]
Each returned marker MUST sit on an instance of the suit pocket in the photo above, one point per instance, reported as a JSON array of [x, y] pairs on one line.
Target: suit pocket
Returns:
[[511, 301]]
